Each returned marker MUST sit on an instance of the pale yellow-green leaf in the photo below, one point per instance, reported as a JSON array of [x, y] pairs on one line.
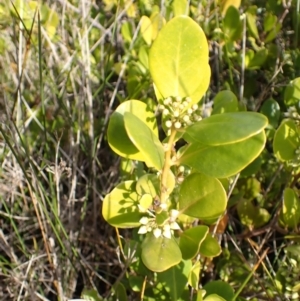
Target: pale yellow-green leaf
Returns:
[[226, 3], [178, 60], [146, 29], [157, 23], [180, 7]]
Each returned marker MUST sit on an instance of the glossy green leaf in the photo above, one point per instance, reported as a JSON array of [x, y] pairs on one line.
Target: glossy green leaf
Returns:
[[120, 292], [200, 294], [225, 102], [116, 133], [269, 21], [286, 140], [290, 214], [258, 59], [271, 110], [249, 187], [232, 25], [234, 127], [223, 289], [159, 254], [175, 279], [202, 197], [91, 295], [178, 60], [144, 56], [251, 21], [224, 160], [214, 297], [292, 92], [120, 206], [194, 276], [210, 247], [161, 218], [190, 241], [145, 140], [126, 31], [136, 283], [273, 33], [252, 216]]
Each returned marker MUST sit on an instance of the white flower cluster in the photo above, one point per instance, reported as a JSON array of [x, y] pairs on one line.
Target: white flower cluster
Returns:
[[293, 114], [178, 112], [149, 225]]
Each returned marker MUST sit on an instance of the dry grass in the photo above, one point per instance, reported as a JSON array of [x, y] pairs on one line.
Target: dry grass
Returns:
[[55, 166]]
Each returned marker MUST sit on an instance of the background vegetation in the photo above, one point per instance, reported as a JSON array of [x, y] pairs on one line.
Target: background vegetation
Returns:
[[64, 66]]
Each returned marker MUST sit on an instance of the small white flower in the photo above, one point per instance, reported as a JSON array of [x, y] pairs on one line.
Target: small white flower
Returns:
[[186, 118], [190, 111], [176, 113], [167, 233], [166, 227], [144, 220], [165, 111], [174, 214], [143, 230], [195, 107], [157, 232], [174, 226], [177, 125], [168, 123], [178, 98], [163, 206], [175, 104], [188, 99], [167, 101], [181, 168]]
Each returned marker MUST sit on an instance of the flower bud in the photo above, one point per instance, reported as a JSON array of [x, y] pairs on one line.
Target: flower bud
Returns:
[[177, 125], [176, 113], [167, 101], [168, 123], [186, 118]]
